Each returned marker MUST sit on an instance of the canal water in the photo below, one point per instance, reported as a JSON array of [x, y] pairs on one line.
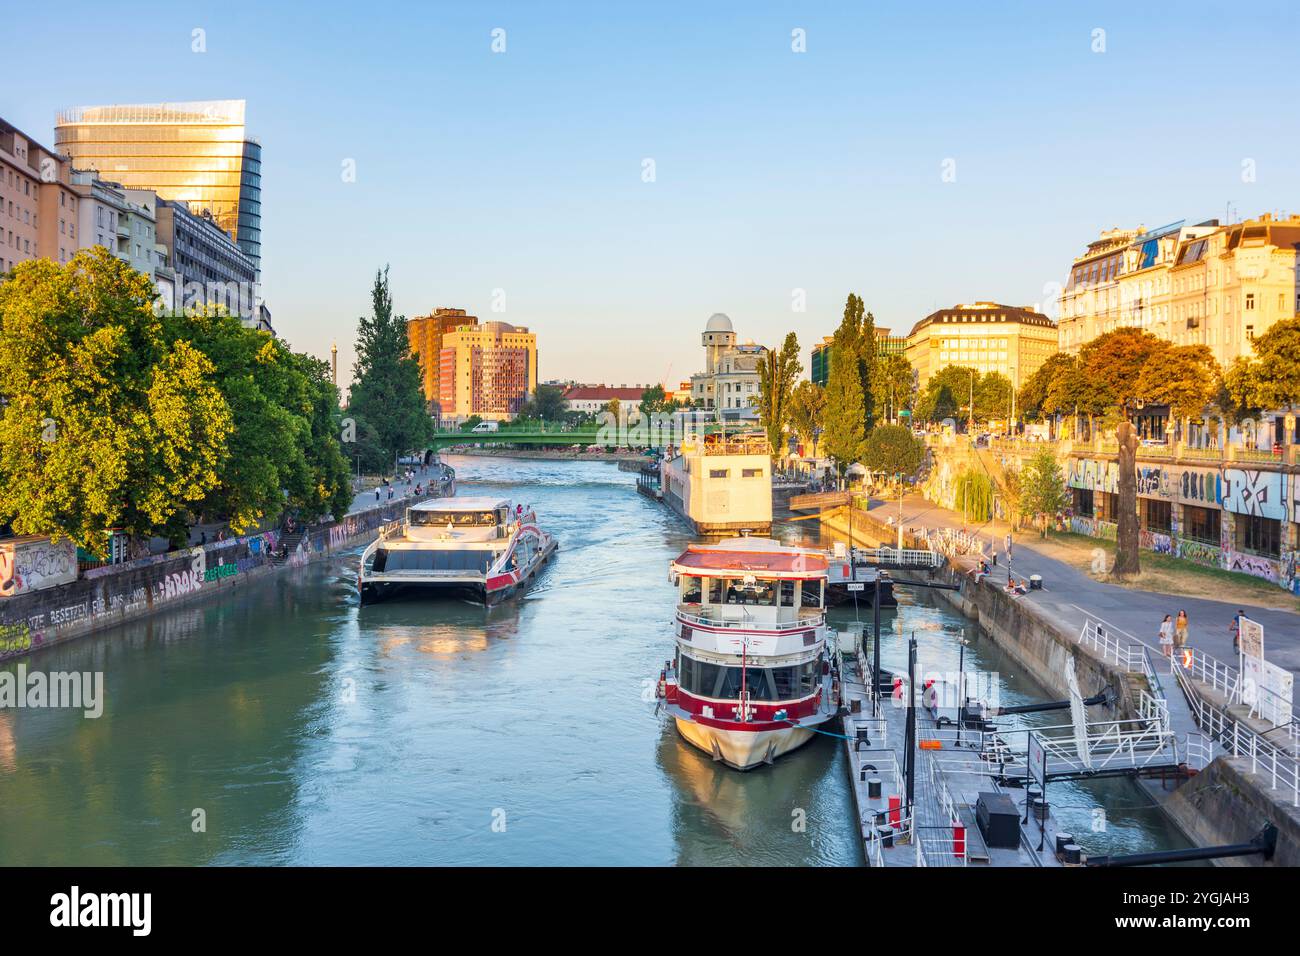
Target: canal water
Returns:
[[282, 723]]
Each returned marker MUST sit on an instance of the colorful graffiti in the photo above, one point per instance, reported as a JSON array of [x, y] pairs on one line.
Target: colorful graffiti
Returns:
[[1155, 541], [1089, 473], [1256, 493], [1254, 565], [1203, 487], [1153, 482], [1200, 553]]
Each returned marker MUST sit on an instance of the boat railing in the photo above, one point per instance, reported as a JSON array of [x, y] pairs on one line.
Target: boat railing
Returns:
[[746, 621]]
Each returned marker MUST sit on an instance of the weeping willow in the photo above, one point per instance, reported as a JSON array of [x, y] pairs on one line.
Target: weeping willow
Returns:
[[975, 495]]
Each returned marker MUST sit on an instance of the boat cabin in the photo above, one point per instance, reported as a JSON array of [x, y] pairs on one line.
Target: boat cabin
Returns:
[[460, 519], [751, 582]]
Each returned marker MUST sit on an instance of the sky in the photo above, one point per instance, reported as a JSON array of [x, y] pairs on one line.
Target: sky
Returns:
[[918, 154]]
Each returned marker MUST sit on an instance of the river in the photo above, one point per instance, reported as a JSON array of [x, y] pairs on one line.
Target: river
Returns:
[[282, 724]]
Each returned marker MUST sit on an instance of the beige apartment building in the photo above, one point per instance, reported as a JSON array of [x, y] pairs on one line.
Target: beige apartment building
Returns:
[[1011, 340], [487, 369], [38, 206], [1207, 284]]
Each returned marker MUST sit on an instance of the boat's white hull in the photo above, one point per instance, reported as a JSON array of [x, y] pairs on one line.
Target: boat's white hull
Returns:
[[743, 749]]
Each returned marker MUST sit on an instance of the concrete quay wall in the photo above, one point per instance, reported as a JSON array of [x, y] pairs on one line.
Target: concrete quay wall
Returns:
[[107, 596]]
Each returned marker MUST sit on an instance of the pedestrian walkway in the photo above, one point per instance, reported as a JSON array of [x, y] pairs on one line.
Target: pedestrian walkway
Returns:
[[401, 489], [1073, 596]]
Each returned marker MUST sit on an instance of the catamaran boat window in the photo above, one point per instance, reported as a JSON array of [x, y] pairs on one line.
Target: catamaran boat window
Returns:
[[759, 592], [457, 519], [691, 589], [392, 561], [811, 593]]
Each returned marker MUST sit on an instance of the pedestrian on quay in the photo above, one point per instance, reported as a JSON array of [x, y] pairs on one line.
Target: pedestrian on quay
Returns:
[[1180, 630], [376, 494], [1167, 636], [1235, 628]]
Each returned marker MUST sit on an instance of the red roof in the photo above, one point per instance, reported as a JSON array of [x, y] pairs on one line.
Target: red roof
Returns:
[[755, 562], [602, 393]]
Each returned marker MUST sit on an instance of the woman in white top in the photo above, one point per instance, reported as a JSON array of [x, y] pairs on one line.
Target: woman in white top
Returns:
[[1167, 636]]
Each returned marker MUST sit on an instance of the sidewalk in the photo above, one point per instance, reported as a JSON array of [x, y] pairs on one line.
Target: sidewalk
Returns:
[[401, 489], [1070, 594]]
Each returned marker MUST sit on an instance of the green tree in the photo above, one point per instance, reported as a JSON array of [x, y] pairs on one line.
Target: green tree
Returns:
[[808, 412], [894, 450], [105, 423], [947, 394], [777, 373], [1272, 378], [975, 494], [1043, 492], [993, 397], [892, 386], [654, 400], [845, 429], [284, 448], [386, 389], [546, 405], [1184, 377]]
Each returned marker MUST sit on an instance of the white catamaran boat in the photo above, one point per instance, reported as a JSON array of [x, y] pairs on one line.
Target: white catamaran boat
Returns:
[[482, 549], [756, 669]]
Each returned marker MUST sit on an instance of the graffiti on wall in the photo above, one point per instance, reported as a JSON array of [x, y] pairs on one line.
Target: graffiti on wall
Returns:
[[1155, 541], [1206, 554], [1256, 493], [1254, 565], [1094, 475], [29, 564], [1202, 487]]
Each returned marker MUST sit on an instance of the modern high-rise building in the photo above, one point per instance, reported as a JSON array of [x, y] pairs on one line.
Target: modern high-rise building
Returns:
[[487, 369], [886, 344], [425, 333], [198, 153]]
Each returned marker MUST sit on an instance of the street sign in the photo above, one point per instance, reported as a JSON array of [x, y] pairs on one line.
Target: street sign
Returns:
[[1008, 544], [856, 587]]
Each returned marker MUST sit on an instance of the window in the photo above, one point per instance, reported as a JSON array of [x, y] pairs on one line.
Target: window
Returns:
[[810, 595], [719, 472], [1158, 514], [692, 590], [759, 593], [1083, 502], [1250, 301], [1259, 535], [787, 594], [1201, 524], [751, 472]]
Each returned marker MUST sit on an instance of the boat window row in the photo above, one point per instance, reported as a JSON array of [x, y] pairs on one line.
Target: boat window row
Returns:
[[724, 682], [457, 519], [761, 592], [431, 560]]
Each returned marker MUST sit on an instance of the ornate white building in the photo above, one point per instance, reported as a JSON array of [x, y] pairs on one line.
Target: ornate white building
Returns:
[[729, 383]]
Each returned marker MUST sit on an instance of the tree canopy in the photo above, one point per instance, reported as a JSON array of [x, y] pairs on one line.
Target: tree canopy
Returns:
[[386, 391], [1271, 379], [1043, 492], [1184, 377], [808, 411], [892, 386], [894, 450], [106, 423], [777, 373]]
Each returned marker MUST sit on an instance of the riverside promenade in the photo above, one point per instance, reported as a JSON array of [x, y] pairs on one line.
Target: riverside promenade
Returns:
[[1071, 595]]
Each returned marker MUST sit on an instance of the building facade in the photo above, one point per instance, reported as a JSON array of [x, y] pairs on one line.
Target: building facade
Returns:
[[1011, 340], [38, 204], [820, 367], [197, 153], [210, 269], [425, 334], [487, 369], [594, 399], [729, 383]]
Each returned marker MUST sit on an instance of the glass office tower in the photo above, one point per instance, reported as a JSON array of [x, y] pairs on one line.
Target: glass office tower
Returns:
[[195, 152]]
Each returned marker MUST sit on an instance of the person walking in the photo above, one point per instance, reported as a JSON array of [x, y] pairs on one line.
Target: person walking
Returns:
[[1167, 636], [1180, 630], [1235, 628]]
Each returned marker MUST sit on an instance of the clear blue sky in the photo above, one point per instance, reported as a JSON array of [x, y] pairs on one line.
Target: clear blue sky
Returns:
[[775, 170]]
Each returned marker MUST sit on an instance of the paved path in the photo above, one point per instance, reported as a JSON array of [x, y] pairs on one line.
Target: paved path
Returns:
[[401, 489], [1070, 594]]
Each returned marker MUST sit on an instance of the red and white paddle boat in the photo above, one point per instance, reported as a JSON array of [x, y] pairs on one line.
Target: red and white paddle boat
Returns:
[[480, 549], [756, 670]]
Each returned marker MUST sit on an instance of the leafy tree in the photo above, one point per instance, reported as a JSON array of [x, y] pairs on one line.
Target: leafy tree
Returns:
[[1043, 492], [975, 492], [1111, 366], [386, 388], [947, 393], [654, 400], [547, 405], [894, 450], [1272, 378], [808, 412], [105, 423], [993, 397], [284, 448], [469, 424], [1239, 396], [611, 407], [1184, 377], [777, 373], [892, 386], [845, 429]]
